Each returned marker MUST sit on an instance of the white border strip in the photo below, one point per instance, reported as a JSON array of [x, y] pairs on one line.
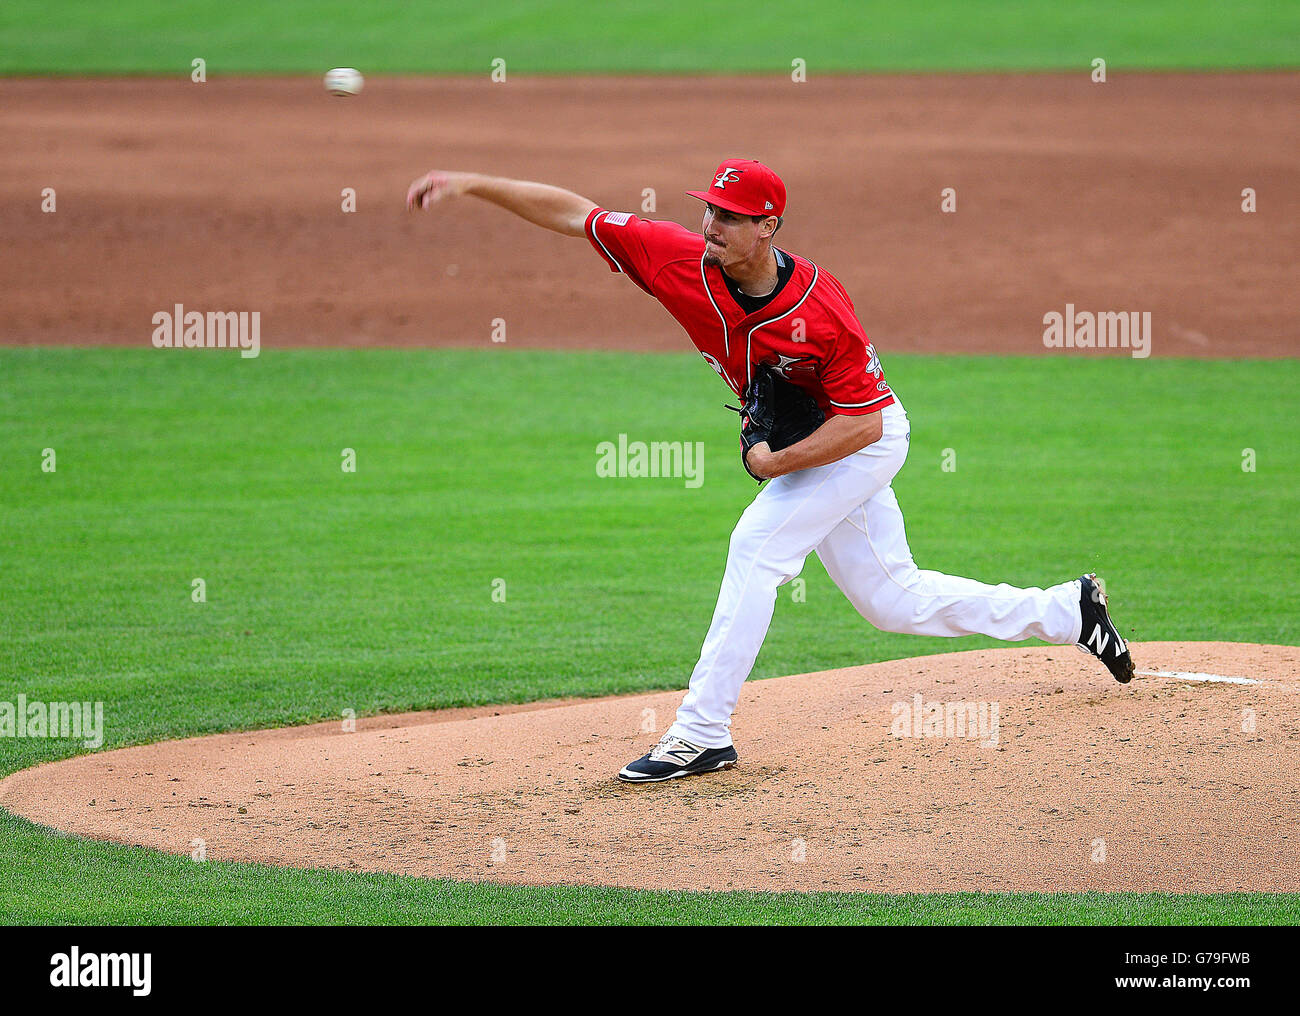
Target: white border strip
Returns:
[[617, 267], [749, 373], [726, 333]]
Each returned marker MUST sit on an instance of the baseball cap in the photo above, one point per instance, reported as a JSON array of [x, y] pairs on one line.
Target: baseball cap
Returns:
[[745, 186]]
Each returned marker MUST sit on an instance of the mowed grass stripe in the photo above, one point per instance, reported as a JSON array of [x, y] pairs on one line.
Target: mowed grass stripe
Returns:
[[700, 36]]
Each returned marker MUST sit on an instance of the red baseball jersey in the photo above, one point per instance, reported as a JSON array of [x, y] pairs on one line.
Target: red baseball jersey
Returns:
[[809, 331]]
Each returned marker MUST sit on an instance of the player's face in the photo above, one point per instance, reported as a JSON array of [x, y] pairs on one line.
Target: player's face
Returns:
[[729, 238]]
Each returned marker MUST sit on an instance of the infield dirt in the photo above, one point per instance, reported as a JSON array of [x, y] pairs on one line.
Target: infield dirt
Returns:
[[1170, 783], [227, 195]]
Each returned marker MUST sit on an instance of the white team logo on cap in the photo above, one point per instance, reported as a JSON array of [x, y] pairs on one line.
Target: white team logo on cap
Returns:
[[722, 179]]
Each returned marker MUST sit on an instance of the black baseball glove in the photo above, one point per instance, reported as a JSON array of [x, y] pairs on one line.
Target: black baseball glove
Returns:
[[777, 412]]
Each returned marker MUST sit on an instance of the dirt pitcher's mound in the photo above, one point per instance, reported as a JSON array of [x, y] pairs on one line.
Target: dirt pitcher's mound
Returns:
[[1016, 769]]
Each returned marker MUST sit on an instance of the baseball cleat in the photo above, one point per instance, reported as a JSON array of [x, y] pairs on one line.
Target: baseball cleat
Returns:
[[673, 757], [1099, 636]]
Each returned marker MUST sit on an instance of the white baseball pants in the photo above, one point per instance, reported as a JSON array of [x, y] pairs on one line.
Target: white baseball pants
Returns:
[[846, 511]]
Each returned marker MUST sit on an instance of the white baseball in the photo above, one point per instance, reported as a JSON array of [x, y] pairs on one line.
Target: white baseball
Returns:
[[344, 81]]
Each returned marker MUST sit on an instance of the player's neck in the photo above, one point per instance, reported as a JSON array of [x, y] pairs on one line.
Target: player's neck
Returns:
[[755, 276]]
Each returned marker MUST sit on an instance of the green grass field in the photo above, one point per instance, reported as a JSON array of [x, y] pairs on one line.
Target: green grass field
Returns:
[[700, 36], [328, 590]]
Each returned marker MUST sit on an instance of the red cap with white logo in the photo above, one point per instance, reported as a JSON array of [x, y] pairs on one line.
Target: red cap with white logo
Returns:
[[745, 186]]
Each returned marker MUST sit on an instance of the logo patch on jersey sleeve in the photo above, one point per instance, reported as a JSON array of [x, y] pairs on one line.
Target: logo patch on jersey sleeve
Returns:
[[873, 361], [617, 218]]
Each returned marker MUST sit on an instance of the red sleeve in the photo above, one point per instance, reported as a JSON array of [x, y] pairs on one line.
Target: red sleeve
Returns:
[[637, 247], [852, 377]]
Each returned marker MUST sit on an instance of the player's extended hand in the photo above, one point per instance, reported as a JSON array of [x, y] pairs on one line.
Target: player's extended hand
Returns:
[[761, 460], [432, 188]]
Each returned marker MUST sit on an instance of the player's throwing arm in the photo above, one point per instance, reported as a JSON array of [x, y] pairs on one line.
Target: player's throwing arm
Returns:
[[552, 208]]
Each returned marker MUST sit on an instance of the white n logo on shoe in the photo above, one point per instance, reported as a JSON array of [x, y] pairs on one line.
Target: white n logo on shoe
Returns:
[[1099, 639], [681, 752]]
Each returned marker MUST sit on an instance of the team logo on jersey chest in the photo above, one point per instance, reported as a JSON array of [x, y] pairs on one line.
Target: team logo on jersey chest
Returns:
[[720, 370], [784, 364]]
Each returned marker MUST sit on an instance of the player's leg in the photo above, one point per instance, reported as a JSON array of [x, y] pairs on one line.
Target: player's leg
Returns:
[[788, 519], [867, 556]]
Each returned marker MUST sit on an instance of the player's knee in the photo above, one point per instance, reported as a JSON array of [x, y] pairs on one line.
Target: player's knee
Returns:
[[749, 535], [890, 610], [884, 619]]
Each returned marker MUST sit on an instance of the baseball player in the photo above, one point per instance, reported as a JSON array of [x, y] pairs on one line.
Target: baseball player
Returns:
[[819, 423]]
